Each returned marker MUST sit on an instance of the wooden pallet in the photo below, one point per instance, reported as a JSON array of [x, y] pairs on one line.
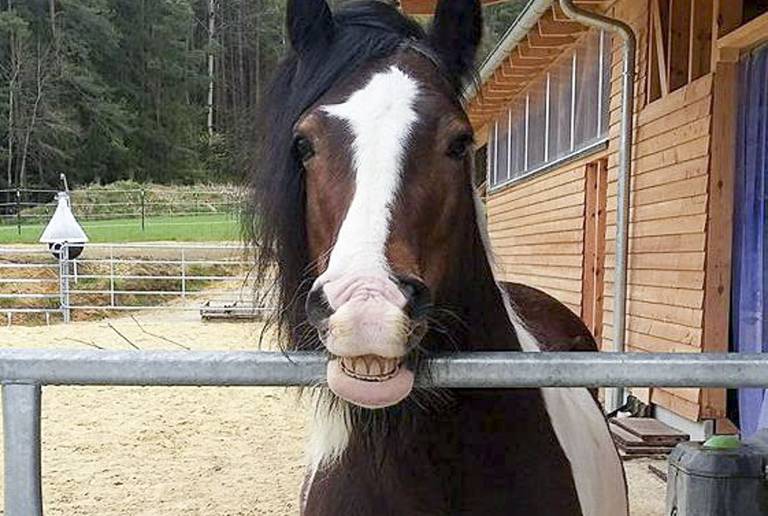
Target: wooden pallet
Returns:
[[235, 311], [644, 437]]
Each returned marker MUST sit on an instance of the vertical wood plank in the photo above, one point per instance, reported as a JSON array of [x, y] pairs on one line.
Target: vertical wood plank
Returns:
[[717, 284], [590, 233], [595, 216], [660, 56], [678, 40], [700, 42], [602, 215]]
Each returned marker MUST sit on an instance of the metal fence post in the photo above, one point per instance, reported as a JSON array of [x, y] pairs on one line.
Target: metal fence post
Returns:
[[112, 276], [183, 275], [21, 427], [18, 210], [64, 282]]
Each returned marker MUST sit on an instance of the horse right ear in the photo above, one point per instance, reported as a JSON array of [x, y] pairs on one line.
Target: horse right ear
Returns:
[[310, 25]]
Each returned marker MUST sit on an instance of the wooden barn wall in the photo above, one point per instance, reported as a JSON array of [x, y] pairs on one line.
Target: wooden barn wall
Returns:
[[537, 231], [537, 225], [668, 232]]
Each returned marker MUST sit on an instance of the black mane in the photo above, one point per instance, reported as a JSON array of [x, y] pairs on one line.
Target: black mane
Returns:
[[275, 216]]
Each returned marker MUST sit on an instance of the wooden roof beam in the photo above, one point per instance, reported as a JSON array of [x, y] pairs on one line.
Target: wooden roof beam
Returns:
[[536, 40]]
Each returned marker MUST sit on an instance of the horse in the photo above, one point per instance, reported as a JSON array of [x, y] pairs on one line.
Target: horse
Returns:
[[363, 211]]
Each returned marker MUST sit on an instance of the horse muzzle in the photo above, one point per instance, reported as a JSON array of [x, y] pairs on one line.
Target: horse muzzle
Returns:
[[369, 325]]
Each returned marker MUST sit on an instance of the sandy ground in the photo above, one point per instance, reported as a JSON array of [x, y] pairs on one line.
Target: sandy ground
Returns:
[[184, 451]]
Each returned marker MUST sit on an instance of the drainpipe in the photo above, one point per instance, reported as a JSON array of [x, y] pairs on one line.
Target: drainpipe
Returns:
[[615, 397]]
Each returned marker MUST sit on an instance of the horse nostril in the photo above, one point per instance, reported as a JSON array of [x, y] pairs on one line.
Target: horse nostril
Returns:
[[417, 295], [317, 307]]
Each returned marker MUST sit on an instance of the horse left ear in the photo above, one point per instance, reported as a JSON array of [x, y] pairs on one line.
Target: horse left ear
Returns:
[[456, 34]]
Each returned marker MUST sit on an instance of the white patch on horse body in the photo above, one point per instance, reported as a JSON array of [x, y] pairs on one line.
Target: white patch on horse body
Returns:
[[329, 433], [583, 434], [579, 425], [380, 116]]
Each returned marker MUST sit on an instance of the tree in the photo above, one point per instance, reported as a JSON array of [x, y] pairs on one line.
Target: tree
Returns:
[[104, 90]]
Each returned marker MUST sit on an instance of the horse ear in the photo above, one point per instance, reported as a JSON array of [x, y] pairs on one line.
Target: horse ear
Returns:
[[310, 24], [456, 34]]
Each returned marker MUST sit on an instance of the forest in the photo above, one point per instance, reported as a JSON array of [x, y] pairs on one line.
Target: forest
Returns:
[[144, 90]]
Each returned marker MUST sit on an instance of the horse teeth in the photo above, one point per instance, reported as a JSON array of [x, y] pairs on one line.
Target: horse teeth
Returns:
[[370, 367]]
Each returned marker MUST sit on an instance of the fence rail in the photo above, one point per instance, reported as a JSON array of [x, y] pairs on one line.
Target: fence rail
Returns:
[[23, 372], [125, 277]]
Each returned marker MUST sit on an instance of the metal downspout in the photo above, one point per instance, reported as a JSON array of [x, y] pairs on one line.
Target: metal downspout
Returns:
[[615, 397]]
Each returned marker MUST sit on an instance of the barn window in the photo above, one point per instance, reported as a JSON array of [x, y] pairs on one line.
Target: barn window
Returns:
[[679, 44], [562, 113]]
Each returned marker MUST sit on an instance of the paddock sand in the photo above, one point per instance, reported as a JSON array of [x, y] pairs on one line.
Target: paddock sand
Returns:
[[184, 451]]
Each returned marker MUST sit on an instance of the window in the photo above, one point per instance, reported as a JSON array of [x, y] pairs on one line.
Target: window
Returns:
[[562, 113], [679, 44]]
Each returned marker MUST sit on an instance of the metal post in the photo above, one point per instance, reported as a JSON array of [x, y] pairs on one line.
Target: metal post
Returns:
[[615, 397], [111, 276], [143, 213], [64, 282], [183, 276], [18, 210], [21, 427]]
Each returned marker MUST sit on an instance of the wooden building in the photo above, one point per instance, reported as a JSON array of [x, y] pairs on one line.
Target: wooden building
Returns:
[[548, 114]]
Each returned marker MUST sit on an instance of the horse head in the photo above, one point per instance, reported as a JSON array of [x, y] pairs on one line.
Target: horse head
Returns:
[[379, 154]]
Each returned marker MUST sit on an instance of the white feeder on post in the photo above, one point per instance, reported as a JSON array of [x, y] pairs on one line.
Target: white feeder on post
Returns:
[[64, 230]]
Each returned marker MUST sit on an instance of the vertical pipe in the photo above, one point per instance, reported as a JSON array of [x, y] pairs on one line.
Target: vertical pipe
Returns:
[[183, 276], [21, 431], [616, 396], [64, 282], [112, 276]]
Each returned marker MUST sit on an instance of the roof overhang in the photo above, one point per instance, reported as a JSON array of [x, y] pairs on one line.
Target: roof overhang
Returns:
[[538, 37]]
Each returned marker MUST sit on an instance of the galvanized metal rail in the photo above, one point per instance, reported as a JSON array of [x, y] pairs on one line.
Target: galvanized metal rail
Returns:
[[23, 372]]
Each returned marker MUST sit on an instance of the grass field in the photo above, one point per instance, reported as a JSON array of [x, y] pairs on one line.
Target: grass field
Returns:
[[197, 228]]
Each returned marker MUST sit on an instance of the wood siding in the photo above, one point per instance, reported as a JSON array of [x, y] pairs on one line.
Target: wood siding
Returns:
[[537, 225], [537, 231], [668, 230]]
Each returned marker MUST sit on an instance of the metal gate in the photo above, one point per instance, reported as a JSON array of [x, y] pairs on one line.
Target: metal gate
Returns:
[[24, 372]]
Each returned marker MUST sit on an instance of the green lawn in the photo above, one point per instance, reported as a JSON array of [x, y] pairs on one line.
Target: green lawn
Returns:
[[198, 228]]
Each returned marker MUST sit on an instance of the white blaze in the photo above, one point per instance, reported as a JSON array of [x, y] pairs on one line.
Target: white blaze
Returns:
[[381, 116]]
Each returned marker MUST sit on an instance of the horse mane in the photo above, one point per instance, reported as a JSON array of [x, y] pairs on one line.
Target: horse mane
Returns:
[[275, 211]]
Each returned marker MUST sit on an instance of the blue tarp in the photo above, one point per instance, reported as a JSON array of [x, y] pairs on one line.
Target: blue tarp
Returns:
[[750, 256]]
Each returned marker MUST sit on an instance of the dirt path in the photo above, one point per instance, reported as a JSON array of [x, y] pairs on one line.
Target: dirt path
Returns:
[[183, 451]]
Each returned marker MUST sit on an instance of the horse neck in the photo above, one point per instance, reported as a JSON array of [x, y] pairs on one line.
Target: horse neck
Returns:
[[473, 295]]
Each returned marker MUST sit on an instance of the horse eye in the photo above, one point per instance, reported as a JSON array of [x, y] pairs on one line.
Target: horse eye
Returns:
[[303, 148], [459, 147]]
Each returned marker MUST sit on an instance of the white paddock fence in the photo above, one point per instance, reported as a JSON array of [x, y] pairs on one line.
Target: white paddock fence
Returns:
[[124, 277]]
